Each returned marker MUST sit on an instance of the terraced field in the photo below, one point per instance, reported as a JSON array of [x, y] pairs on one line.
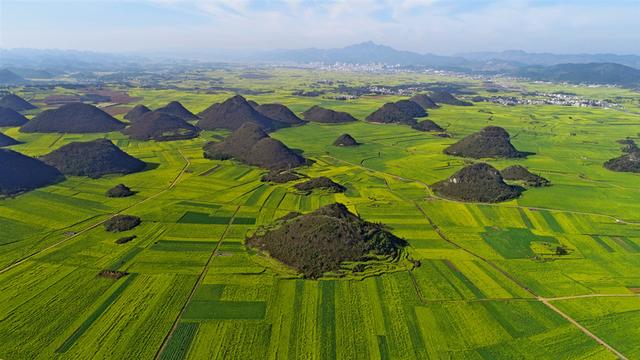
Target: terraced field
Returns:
[[489, 284]]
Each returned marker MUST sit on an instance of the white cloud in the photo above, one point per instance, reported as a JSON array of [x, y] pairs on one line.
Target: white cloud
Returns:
[[440, 26]]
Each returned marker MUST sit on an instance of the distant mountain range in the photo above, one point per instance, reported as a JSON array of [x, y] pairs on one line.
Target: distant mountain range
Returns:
[[577, 68], [591, 73], [519, 57], [364, 53], [370, 52], [55, 60]]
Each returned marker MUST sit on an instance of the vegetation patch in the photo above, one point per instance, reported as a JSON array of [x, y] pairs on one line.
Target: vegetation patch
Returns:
[[551, 221], [327, 116], [93, 159], [443, 97], [626, 244], [425, 101], [176, 109], [182, 245], [126, 239], [112, 274], [125, 258], [322, 240], [514, 243], [345, 140], [244, 220], [16, 103], [520, 173], [477, 183], [193, 217], [199, 204], [390, 113], [411, 108], [120, 190], [178, 346], [328, 318], [77, 118], [209, 292], [280, 176], [7, 140], [159, 126], [11, 118], [135, 113], [120, 223], [427, 125], [279, 113], [320, 183], [23, 173], [225, 310], [602, 243], [490, 142], [86, 324], [232, 114], [251, 145], [629, 162]]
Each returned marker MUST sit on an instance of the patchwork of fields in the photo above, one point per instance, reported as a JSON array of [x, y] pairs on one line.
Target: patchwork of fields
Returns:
[[487, 271]]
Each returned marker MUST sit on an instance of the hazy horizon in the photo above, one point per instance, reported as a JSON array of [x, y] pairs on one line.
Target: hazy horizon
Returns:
[[423, 26]]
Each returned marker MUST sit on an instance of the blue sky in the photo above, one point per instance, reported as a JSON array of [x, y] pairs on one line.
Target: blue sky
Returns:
[[437, 26]]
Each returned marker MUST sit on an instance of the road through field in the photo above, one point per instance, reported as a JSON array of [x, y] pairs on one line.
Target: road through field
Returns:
[[545, 301], [511, 277], [583, 329], [95, 225]]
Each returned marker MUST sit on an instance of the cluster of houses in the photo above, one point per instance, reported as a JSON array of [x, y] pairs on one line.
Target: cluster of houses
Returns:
[[346, 67], [549, 99]]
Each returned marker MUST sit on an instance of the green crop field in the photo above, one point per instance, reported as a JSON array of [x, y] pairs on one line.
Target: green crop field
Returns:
[[489, 284]]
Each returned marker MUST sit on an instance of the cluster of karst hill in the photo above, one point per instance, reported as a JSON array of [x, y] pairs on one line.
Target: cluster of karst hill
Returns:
[[160, 126], [249, 142], [236, 111], [315, 243], [406, 112]]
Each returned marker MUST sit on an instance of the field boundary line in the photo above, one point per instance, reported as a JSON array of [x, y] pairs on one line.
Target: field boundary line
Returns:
[[428, 188], [588, 296], [57, 139], [210, 171], [544, 301], [487, 261], [582, 328], [91, 227], [195, 287]]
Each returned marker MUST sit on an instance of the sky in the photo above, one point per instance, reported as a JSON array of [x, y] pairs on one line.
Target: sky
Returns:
[[425, 26]]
